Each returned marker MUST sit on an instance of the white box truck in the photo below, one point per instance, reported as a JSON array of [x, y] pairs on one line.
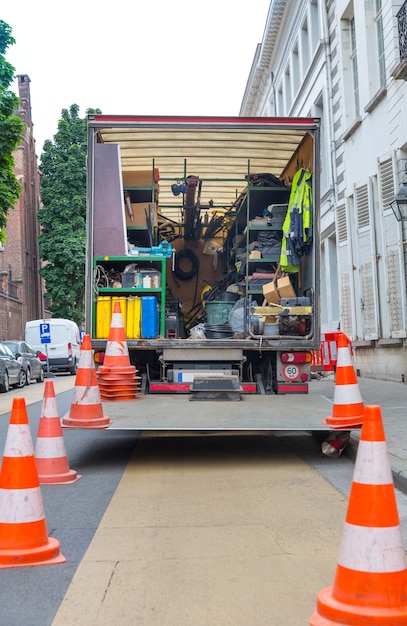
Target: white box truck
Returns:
[[187, 228], [58, 339]]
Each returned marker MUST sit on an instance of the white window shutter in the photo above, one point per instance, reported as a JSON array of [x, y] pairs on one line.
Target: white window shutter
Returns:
[[395, 324], [366, 267], [345, 272]]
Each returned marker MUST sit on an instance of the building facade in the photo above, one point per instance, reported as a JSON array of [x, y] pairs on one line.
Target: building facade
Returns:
[[343, 61], [20, 283]]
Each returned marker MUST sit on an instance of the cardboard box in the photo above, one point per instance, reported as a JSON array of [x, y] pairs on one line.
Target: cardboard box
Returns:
[[134, 180], [140, 178], [255, 254], [282, 288]]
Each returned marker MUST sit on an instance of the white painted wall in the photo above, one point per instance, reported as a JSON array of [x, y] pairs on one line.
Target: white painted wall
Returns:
[[304, 67]]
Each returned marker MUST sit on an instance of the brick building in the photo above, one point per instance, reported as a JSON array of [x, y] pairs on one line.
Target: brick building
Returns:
[[20, 283]]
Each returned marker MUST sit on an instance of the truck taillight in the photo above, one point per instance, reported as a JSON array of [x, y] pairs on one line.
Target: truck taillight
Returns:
[[99, 357], [69, 351], [296, 357]]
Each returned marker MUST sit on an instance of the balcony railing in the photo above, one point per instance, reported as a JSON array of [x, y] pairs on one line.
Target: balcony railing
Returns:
[[402, 28]]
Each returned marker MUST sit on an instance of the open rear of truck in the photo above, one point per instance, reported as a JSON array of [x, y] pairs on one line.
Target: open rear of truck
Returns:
[[190, 221]]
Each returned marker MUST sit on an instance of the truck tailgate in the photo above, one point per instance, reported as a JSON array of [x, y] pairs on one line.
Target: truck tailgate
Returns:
[[252, 412]]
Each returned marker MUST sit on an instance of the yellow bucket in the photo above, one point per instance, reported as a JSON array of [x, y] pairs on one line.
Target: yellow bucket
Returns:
[[133, 326], [103, 316]]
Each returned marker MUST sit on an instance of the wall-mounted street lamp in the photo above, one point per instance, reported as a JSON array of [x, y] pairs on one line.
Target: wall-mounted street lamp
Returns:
[[399, 204]]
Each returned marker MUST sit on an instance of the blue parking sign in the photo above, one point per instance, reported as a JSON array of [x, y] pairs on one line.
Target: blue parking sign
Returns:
[[45, 332]]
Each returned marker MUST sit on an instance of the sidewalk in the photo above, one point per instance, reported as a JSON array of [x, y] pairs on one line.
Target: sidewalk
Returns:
[[35, 392], [392, 399]]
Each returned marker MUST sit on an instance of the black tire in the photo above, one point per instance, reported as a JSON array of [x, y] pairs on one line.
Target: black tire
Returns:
[[73, 369], [28, 377], [5, 387], [41, 377], [21, 380], [192, 259]]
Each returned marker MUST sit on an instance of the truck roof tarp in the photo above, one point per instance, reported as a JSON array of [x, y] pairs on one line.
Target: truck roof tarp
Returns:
[[222, 152]]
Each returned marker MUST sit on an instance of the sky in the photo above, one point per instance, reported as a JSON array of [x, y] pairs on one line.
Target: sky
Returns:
[[164, 57]]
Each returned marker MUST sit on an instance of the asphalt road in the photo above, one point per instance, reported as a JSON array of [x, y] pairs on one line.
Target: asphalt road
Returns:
[[31, 595]]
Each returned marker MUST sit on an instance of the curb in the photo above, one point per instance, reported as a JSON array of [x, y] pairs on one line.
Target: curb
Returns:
[[399, 476]]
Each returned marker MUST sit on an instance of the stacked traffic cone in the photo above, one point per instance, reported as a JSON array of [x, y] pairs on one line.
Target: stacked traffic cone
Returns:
[[23, 530], [348, 407], [117, 378], [50, 452], [86, 408], [370, 586]]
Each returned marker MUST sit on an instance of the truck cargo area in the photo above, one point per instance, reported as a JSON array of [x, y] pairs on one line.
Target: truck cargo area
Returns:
[[206, 231]]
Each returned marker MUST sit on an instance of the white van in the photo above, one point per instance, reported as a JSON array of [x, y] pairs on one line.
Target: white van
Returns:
[[59, 339]]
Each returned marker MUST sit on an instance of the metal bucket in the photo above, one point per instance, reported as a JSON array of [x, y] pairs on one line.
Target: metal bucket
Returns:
[[217, 312]]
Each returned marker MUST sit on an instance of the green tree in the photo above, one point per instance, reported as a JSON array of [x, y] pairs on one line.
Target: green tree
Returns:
[[63, 215], [11, 131]]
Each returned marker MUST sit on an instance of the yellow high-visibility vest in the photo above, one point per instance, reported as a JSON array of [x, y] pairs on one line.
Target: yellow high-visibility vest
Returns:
[[297, 226]]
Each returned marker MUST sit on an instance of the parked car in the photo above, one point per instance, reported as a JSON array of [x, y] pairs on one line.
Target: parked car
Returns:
[[12, 373], [29, 358], [64, 342]]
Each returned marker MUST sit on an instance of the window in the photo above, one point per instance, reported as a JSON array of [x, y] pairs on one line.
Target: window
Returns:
[[375, 51], [350, 68], [380, 43], [314, 24], [280, 103], [325, 156], [287, 89], [354, 64], [304, 47], [296, 70]]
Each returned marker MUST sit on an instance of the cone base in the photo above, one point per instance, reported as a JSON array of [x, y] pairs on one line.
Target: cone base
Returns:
[[43, 555], [118, 382], [97, 422], [115, 369], [67, 478], [118, 399], [330, 612], [344, 423]]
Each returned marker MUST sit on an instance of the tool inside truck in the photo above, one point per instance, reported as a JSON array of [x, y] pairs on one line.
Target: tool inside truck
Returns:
[[206, 231]]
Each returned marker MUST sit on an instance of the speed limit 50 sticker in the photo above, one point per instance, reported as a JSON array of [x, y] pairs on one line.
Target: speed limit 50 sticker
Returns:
[[291, 371]]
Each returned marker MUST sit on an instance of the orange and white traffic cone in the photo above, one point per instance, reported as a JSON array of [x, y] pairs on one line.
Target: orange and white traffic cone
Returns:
[[348, 407], [86, 409], [23, 530], [370, 586], [117, 352], [50, 452], [117, 378]]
